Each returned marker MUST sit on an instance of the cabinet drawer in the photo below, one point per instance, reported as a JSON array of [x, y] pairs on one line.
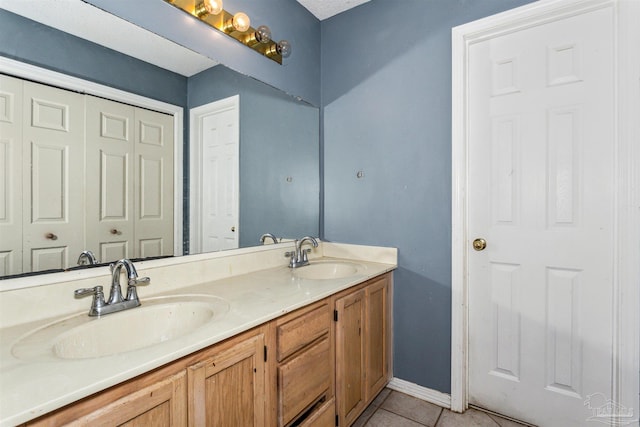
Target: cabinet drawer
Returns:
[[300, 331], [323, 417], [303, 379]]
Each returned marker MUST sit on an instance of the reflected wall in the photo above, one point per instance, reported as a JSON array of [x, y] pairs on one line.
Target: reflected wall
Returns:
[[279, 149]]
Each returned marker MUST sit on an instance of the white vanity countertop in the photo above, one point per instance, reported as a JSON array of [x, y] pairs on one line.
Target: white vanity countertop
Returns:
[[30, 388]]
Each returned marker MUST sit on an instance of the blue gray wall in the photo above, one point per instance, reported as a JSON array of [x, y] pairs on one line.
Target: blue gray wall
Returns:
[[386, 95], [279, 139]]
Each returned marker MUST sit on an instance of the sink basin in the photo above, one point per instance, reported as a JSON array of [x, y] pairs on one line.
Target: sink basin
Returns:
[[327, 270], [157, 320]]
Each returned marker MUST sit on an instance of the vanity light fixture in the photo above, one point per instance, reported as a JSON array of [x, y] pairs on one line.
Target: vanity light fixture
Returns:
[[238, 26]]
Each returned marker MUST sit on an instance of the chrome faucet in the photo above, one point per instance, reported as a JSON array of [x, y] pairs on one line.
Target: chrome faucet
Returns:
[[299, 257], [87, 258], [116, 302], [268, 236]]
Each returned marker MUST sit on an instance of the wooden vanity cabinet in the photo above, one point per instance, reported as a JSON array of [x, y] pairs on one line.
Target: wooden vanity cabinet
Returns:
[[223, 385], [304, 352], [227, 386], [319, 366], [363, 346], [155, 399]]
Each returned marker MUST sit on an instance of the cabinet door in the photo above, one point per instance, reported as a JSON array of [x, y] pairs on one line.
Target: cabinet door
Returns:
[[159, 404], [350, 393], [377, 345], [228, 388]]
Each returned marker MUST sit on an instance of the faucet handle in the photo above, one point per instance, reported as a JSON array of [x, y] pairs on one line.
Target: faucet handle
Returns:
[[139, 281], [98, 298], [83, 292], [132, 292]]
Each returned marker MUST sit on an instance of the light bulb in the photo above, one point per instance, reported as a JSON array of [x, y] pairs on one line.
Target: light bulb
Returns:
[[283, 48], [263, 34], [208, 7], [241, 22]]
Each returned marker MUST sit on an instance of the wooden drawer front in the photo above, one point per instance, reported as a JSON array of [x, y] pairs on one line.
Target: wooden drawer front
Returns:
[[303, 379], [325, 416], [302, 330]]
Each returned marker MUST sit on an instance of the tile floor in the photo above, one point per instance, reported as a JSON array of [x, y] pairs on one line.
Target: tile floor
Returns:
[[394, 409]]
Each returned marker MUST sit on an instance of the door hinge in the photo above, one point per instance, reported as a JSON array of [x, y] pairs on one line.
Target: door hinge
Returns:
[[265, 353], [335, 317]]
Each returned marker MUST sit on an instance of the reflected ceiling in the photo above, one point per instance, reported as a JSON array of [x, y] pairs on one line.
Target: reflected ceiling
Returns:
[[91, 23]]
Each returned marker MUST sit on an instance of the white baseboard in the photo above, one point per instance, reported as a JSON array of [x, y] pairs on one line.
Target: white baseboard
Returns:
[[423, 393]]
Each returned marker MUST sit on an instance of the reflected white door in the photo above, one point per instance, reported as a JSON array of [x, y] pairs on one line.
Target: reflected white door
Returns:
[[215, 128], [153, 185], [53, 205], [541, 185], [109, 177], [10, 175]]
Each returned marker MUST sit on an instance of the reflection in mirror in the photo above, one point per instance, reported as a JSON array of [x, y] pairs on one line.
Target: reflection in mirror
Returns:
[[278, 172], [279, 167]]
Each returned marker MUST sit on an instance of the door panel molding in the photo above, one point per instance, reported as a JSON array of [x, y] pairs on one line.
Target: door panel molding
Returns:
[[626, 329]]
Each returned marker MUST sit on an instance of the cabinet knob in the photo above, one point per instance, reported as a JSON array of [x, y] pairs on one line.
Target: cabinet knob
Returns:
[[51, 236], [115, 231]]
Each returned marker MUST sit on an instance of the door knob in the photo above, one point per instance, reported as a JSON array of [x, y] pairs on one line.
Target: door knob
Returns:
[[51, 236], [479, 244], [233, 229]]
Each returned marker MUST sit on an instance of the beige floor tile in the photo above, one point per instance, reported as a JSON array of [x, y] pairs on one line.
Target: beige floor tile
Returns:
[[415, 409], [362, 419], [381, 397], [382, 418], [471, 418]]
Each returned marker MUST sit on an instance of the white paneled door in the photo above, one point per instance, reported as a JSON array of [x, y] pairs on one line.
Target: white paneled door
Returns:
[[153, 185], [541, 211], [109, 178], [216, 134], [52, 147]]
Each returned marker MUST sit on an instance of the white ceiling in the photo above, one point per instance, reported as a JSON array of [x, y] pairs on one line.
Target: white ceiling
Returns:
[[324, 9]]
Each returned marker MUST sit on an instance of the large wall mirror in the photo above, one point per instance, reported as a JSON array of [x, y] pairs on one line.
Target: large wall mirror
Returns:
[[279, 159], [278, 169]]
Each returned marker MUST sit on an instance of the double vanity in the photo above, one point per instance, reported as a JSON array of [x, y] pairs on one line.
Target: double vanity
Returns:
[[237, 337]]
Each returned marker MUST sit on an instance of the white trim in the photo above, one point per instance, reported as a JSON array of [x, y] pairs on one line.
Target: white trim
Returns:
[[423, 393], [64, 81], [626, 331], [195, 171], [626, 365]]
